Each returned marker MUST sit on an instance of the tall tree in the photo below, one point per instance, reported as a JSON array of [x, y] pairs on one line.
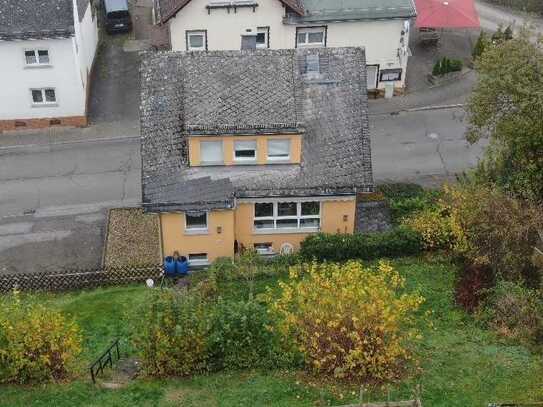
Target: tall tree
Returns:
[[507, 107]]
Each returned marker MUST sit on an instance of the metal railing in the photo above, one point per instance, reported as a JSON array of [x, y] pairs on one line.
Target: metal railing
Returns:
[[106, 359]]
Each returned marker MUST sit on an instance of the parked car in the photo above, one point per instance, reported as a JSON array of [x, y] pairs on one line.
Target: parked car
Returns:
[[117, 16]]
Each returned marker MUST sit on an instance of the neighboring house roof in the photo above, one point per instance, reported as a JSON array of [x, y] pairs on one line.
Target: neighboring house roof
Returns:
[[316, 11], [243, 92], [82, 6], [169, 8], [32, 19]]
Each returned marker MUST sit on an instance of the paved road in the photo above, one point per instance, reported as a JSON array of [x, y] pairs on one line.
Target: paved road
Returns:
[[492, 16], [53, 201]]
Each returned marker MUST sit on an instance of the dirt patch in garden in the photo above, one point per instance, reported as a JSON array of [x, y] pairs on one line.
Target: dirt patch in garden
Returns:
[[132, 238]]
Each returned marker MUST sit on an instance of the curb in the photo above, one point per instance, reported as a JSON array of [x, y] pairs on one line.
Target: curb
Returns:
[[418, 109]]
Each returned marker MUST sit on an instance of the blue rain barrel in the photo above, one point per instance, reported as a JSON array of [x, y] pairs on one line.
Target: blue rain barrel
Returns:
[[182, 266], [169, 266]]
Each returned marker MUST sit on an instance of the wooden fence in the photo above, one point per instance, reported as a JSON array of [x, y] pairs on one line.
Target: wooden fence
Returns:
[[66, 280]]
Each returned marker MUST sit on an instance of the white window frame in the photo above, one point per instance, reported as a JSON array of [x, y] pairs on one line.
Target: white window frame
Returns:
[[246, 159], [279, 159], [192, 229], [266, 32], [298, 217], [44, 100], [206, 162], [190, 33], [307, 31], [36, 55], [198, 261]]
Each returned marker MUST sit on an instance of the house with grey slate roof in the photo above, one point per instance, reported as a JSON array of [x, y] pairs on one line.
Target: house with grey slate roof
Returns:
[[253, 149], [382, 27], [47, 48]]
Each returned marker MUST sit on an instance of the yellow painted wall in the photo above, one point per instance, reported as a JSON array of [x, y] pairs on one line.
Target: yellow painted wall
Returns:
[[332, 221], [213, 243], [336, 217], [262, 148]]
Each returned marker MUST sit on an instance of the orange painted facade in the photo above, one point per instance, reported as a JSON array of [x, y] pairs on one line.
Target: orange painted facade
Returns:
[[225, 227], [262, 148]]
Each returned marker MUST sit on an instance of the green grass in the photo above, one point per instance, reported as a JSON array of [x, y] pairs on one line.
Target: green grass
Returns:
[[461, 364]]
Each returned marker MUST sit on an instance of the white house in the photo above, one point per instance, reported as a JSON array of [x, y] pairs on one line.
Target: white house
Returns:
[[47, 49], [380, 26]]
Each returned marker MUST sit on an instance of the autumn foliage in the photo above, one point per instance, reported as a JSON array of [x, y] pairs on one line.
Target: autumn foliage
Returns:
[[349, 321], [37, 344]]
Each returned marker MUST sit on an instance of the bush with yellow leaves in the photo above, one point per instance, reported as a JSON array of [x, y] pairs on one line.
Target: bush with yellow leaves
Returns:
[[37, 344], [435, 227], [349, 321]]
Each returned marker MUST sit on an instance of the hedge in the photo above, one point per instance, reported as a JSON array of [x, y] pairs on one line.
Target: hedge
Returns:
[[398, 242]]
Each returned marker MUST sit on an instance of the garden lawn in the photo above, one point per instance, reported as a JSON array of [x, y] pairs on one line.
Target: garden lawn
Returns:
[[461, 364]]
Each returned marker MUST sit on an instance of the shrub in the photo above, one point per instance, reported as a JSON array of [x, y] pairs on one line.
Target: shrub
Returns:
[[435, 228], [37, 343], [480, 46], [494, 230], [348, 321], [446, 65], [170, 331], [472, 286], [406, 199], [398, 242], [515, 312], [242, 336]]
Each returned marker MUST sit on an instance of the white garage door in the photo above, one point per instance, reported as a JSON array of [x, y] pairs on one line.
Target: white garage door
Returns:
[[373, 71]]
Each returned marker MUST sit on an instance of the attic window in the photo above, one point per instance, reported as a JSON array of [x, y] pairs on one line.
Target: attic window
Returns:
[[231, 4]]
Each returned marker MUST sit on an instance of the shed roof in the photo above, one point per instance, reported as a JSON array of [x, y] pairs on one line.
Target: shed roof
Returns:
[[353, 10], [332, 106]]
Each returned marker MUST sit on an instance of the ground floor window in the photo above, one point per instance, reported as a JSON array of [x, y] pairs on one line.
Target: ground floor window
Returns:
[[196, 221], [198, 259], [45, 96], [389, 75], [196, 40], [287, 215]]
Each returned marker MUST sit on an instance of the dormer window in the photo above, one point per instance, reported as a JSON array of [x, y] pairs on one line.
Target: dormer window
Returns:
[[245, 150], [36, 57], [211, 153], [279, 150]]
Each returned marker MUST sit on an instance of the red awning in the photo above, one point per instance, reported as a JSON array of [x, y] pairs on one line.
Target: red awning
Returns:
[[447, 14]]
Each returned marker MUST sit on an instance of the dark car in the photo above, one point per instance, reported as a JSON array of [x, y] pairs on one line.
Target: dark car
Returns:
[[117, 16]]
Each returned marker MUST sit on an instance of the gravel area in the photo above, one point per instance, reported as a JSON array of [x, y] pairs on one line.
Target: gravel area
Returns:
[[133, 238]]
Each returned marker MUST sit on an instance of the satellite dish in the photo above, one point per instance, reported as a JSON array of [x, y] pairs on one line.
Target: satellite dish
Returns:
[[286, 249]]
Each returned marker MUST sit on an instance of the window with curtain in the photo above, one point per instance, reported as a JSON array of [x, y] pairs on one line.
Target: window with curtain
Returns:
[[245, 150], [278, 150], [211, 153]]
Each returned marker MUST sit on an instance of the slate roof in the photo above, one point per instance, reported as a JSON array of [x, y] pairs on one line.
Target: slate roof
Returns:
[[33, 19], [316, 11], [259, 89], [167, 9], [82, 6]]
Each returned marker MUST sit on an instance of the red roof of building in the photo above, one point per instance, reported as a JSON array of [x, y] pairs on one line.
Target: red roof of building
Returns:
[[447, 14]]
